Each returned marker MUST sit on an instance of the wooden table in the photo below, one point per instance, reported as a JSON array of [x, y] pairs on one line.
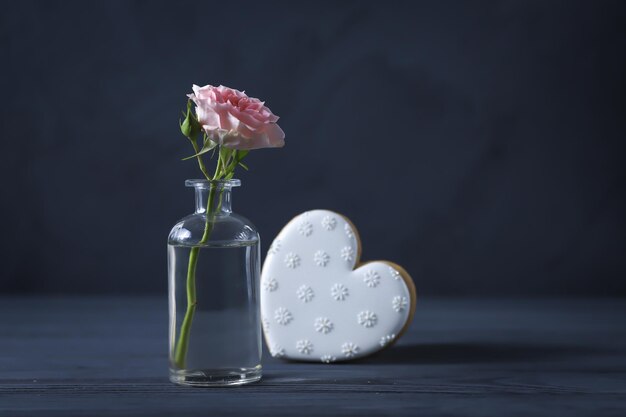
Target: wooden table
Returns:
[[95, 356]]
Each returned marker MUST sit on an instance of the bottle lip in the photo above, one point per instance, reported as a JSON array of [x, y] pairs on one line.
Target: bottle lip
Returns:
[[200, 183]]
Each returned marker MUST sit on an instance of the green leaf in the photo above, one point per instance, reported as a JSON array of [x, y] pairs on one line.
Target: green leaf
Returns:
[[208, 145], [190, 127], [241, 155], [186, 127], [244, 166], [225, 154]]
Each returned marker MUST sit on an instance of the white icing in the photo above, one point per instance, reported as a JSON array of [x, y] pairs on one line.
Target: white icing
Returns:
[[324, 309]]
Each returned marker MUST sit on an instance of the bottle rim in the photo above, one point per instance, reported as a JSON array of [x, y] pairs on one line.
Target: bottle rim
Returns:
[[203, 183]]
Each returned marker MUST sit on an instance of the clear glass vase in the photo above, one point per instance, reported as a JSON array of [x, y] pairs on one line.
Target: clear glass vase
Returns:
[[213, 265]]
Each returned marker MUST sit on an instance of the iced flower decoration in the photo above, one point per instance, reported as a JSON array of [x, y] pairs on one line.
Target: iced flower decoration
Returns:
[[328, 358], [304, 346], [339, 292], [321, 258], [347, 254], [232, 119], [399, 303], [349, 349], [270, 284], [329, 223], [305, 293], [395, 274], [292, 260], [277, 352], [371, 278], [385, 340], [367, 319], [274, 247], [323, 325], [282, 316], [305, 228]]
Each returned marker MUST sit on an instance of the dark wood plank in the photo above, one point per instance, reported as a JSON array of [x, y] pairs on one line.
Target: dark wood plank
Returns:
[[107, 356]]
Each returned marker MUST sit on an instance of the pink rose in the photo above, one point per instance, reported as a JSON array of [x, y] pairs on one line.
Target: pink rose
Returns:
[[232, 119]]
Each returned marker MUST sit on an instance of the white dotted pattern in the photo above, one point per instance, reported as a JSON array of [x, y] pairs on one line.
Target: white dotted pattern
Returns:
[[319, 306]]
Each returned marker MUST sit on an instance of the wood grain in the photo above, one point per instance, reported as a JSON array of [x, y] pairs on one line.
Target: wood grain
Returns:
[[89, 356]]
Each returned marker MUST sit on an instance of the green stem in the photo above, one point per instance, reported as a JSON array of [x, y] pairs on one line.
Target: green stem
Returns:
[[183, 341], [217, 174], [182, 345]]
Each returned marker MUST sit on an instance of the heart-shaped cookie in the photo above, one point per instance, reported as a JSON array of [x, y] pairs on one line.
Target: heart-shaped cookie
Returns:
[[318, 303]]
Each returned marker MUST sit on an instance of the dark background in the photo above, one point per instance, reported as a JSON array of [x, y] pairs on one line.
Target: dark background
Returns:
[[479, 144]]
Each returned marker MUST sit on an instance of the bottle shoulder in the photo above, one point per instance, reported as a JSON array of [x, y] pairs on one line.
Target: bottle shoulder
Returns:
[[223, 230]]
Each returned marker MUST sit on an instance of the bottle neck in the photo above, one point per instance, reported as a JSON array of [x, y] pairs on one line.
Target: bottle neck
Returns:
[[214, 199], [213, 196]]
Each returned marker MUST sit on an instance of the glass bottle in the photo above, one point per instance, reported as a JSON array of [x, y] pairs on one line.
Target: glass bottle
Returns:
[[213, 266]]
